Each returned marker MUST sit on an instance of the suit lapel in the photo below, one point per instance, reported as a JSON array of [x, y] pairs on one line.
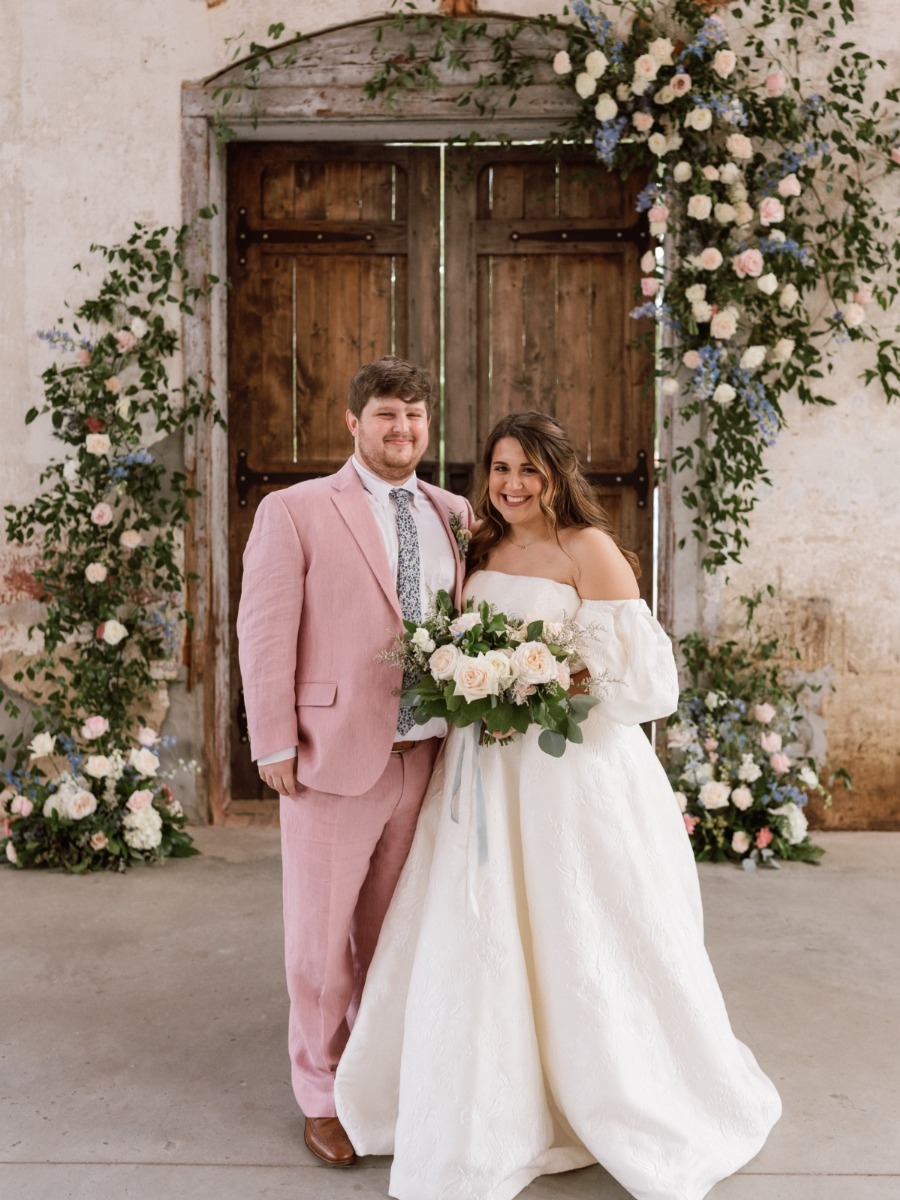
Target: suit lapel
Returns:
[[352, 503]]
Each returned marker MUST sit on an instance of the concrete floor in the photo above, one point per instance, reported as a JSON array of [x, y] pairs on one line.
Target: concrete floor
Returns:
[[143, 1030]]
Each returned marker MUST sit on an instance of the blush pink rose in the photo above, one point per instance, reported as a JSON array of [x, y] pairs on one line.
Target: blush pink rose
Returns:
[[789, 186], [147, 736], [99, 841], [649, 286], [680, 84], [863, 295], [740, 146], [691, 359], [21, 806], [125, 339], [83, 358], [771, 211], [748, 262], [95, 572], [763, 838], [94, 727], [139, 800], [776, 84], [130, 539], [763, 713], [724, 63], [659, 212], [101, 514], [711, 173], [642, 121], [113, 385], [770, 742], [780, 763], [711, 259]]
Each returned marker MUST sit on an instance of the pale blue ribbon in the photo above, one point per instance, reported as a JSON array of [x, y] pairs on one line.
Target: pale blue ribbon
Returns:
[[470, 752]]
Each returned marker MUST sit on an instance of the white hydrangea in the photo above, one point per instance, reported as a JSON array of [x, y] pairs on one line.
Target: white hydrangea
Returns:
[[748, 771], [143, 829], [795, 822]]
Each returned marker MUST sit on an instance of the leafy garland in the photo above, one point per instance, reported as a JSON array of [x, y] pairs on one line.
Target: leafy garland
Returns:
[[773, 246], [736, 758], [86, 793]]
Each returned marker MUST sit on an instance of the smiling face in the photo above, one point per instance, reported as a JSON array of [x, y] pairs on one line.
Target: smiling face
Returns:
[[515, 486], [390, 436]]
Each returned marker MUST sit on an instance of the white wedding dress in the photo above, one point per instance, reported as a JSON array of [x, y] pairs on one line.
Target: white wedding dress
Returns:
[[540, 998]]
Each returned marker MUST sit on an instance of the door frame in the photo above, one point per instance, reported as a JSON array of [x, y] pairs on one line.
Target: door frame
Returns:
[[318, 97]]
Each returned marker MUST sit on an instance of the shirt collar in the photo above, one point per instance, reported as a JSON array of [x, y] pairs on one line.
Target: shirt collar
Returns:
[[381, 488]]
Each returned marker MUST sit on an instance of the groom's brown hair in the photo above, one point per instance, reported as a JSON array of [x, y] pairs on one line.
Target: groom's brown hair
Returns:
[[389, 376]]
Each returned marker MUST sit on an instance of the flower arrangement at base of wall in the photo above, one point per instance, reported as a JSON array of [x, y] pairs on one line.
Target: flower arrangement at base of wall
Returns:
[[735, 756], [86, 793]]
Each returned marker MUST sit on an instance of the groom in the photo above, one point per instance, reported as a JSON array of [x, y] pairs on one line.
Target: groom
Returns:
[[331, 567]]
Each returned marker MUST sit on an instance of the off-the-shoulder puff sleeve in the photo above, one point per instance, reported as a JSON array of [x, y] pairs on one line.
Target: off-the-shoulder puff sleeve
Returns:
[[629, 647]]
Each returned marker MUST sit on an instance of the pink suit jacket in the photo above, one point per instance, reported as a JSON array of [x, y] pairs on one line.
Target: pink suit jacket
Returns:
[[318, 603]]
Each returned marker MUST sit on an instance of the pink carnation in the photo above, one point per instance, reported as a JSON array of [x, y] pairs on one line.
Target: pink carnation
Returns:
[[748, 262], [763, 838], [690, 823]]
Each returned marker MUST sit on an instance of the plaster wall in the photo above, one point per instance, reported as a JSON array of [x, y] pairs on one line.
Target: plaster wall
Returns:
[[90, 107]]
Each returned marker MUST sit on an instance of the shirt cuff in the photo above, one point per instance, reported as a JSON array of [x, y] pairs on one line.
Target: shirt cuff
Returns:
[[277, 756]]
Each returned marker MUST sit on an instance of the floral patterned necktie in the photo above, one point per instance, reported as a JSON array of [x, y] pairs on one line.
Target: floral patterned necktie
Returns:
[[408, 585]]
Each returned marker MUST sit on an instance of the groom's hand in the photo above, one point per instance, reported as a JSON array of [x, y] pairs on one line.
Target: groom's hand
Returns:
[[281, 776]]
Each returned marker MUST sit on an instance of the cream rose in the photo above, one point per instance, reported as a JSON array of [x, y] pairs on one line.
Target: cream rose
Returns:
[[94, 727], [642, 122], [776, 83], [502, 665], [648, 262], [138, 327], [670, 386], [464, 622], [742, 798], [691, 359], [442, 663], [739, 145], [743, 213], [740, 842], [605, 108], [646, 68], [789, 296], [763, 713], [854, 315], [724, 63], [130, 539], [724, 394], [562, 64], [97, 443], [657, 143], [97, 766], [665, 95], [21, 806], [767, 284], [783, 350], [789, 186], [770, 741], [596, 63], [699, 207], [147, 736], [699, 119], [724, 324], [534, 663], [682, 172], [725, 214], [662, 50], [475, 678], [95, 572], [41, 745], [729, 173], [144, 762], [80, 804], [99, 840], [714, 794], [794, 819], [585, 85], [753, 357], [112, 632]]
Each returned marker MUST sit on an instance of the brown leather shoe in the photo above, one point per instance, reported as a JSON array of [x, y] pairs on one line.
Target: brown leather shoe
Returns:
[[327, 1140]]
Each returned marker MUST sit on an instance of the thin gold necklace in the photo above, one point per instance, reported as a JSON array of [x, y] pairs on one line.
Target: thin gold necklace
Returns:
[[525, 545]]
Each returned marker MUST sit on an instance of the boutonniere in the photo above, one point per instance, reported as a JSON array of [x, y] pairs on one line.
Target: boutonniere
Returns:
[[463, 536]]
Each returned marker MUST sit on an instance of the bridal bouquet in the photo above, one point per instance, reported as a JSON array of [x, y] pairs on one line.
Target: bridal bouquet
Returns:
[[482, 665]]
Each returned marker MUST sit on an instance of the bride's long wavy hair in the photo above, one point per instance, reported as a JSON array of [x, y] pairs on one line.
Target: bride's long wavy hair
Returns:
[[567, 499]]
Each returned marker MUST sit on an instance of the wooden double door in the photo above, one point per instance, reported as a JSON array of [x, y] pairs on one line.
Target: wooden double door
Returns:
[[508, 275]]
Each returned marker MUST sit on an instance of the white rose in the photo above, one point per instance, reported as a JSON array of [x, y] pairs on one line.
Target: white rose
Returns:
[[423, 640], [740, 842], [739, 192], [475, 678], [502, 665], [681, 800], [730, 173], [97, 443], [464, 622], [442, 663], [854, 315], [139, 799], [682, 172], [562, 65], [95, 572], [605, 108], [113, 632], [662, 50], [743, 213], [725, 213], [70, 470], [596, 63], [748, 771], [702, 311], [697, 291], [585, 85], [699, 207], [724, 324], [742, 798], [79, 804], [534, 663], [796, 822], [724, 394], [670, 386], [783, 350], [130, 539], [789, 297], [138, 327], [711, 700], [724, 63], [657, 143], [768, 284], [97, 766], [753, 357], [777, 235], [714, 794], [808, 777], [144, 761], [646, 68], [41, 745], [699, 119]]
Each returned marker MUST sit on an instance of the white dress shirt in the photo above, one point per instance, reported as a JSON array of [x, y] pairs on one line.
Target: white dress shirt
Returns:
[[437, 566]]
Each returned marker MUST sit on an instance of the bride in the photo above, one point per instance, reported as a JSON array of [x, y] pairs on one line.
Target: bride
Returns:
[[540, 998]]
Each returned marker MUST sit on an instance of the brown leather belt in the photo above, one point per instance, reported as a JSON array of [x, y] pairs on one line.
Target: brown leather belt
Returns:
[[402, 747]]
